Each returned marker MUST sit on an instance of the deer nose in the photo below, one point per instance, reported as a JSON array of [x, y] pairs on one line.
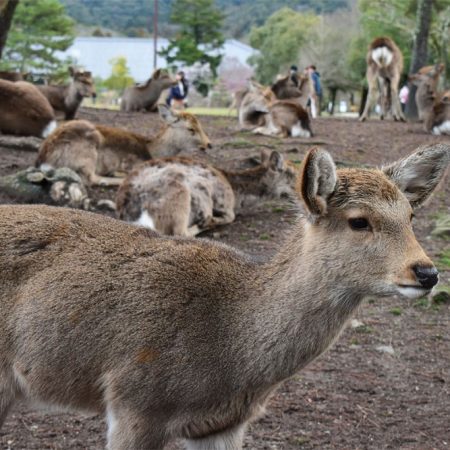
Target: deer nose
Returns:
[[426, 276], [209, 145]]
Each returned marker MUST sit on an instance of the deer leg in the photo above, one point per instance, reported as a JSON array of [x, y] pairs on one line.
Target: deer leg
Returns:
[[130, 431], [97, 180], [227, 440], [397, 112], [371, 96]]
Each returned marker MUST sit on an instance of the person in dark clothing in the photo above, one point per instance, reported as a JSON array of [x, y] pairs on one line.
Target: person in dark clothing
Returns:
[[316, 98], [294, 75], [178, 93]]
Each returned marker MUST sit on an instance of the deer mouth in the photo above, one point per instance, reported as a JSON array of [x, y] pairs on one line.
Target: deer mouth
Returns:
[[412, 291]]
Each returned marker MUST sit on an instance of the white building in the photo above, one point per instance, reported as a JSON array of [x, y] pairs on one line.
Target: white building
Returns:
[[95, 54]]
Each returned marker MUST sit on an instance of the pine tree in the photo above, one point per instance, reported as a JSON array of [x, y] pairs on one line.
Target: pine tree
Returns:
[[40, 28], [199, 38]]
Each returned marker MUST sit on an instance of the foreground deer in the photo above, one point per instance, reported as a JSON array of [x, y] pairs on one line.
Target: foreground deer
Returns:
[[283, 118], [144, 97], [185, 338], [97, 152], [426, 80], [438, 119], [384, 68], [180, 196], [67, 99], [24, 110]]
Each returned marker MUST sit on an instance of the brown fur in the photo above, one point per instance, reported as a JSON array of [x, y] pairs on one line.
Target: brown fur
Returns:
[[383, 78], [67, 99], [273, 117], [23, 109], [144, 97], [12, 76], [186, 338], [426, 80], [439, 115], [181, 196], [110, 152], [285, 89]]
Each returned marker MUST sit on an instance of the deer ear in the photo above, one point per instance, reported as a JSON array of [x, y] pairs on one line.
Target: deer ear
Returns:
[[156, 74], [276, 161], [418, 174], [166, 114], [316, 181]]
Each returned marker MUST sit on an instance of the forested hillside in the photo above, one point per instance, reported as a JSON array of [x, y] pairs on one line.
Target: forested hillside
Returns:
[[135, 17]]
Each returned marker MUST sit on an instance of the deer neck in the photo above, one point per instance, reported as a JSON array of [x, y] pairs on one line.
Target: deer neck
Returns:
[[72, 97], [165, 144], [298, 311]]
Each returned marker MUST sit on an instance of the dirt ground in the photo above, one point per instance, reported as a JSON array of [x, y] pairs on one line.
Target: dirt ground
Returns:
[[353, 397]]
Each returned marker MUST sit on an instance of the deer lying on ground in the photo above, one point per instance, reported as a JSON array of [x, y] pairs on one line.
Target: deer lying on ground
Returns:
[[438, 119], [384, 68], [24, 110], [181, 196], [98, 152], [67, 99], [144, 97], [186, 338], [426, 80], [285, 89], [272, 117], [12, 76]]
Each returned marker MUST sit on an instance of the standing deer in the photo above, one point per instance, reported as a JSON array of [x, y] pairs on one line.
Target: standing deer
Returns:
[[384, 68], [98, 152], [24, 110], [67, 99], [144, 97], [181, 196], [186, 338], [426, 80]]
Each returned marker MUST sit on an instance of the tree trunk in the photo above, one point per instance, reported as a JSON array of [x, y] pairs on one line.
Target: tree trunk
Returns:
[[7, 8], [420, 51], [333, 92]]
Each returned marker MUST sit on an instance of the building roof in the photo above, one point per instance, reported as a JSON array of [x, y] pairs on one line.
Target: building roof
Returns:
[[95, 54]]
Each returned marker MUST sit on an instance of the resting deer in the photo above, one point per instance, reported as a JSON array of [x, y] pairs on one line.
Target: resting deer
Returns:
[[98, 152], [144, 97], [186, 338], [24, 110], [67, 99], [283, 118], [181, 196], [426, 80], [438, 119], [384, 68]]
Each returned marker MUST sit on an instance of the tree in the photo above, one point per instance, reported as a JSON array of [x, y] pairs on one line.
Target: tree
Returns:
[[120, 75], [279, 41], [7, 8], [40, 28], [420, 51], [199, 38]]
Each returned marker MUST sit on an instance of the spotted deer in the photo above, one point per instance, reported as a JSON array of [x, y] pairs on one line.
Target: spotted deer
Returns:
[[24, 110], [145, 97], [100, 154], [188, 338], [426, 80], [181, 196], [66, 99], [384, 68], [263, 114]]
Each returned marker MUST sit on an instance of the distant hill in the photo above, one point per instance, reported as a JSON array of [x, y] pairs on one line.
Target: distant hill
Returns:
[[135, 17]]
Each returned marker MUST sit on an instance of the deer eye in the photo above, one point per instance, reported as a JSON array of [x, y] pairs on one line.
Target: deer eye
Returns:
[[359, 224]]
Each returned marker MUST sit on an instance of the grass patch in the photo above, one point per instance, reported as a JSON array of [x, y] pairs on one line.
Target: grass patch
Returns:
[[364, 329], [422, 303], [238, 143], [264, 237], [203, 111], [443, 263], [396, 311], [278, 209]]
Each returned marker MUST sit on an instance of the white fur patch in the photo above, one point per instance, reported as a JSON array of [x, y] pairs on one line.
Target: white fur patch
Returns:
[[145, 220], [443, 128], [51, 126], [111, 422], [411, 292], [298, 131], [382, 56]]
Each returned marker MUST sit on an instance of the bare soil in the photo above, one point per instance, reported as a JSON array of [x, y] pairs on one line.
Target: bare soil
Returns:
[[354, 396]]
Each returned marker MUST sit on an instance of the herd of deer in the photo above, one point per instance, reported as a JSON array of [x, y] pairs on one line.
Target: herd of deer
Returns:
[[185, 338]]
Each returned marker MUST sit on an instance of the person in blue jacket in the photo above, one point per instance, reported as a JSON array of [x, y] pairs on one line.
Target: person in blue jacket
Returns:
[[317, 97], [178, 93]]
